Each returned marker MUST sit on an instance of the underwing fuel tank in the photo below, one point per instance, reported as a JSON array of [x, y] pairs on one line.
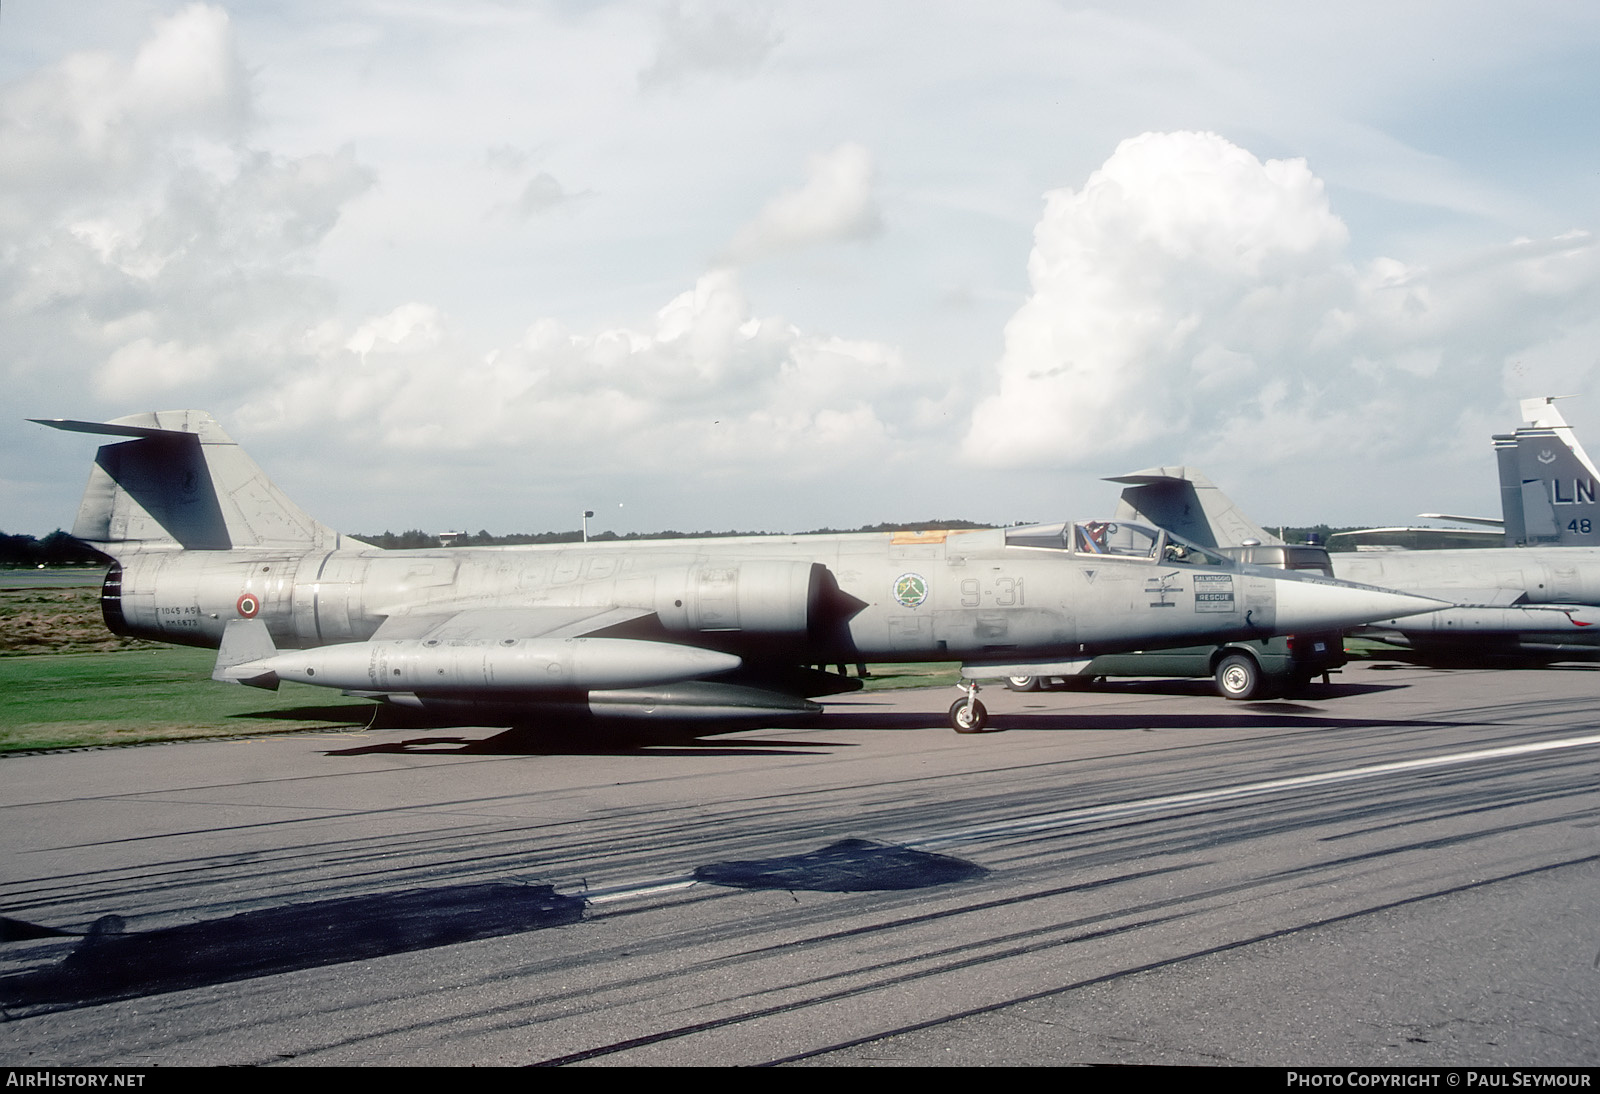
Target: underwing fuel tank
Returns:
[[510, 666]]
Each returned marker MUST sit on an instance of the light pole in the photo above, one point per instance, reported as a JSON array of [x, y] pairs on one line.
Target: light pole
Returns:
[[587, 513]]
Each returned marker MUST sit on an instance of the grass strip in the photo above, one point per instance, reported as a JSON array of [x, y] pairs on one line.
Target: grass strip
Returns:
[[72, 700]]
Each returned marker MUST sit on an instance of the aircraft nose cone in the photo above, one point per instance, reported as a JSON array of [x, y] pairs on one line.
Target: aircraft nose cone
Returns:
[[1332, 606]]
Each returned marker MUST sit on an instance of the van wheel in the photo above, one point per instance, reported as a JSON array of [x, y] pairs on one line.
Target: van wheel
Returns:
[[1023, 683], [1238, 677]]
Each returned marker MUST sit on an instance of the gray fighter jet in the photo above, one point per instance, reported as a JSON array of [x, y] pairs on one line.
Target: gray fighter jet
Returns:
[[1525, 600], [208, 552]]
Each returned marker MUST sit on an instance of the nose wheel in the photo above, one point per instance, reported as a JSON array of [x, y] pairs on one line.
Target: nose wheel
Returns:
[[967, 715]]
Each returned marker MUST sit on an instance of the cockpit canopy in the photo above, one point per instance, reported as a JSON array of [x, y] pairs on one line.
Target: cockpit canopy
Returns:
[[1116, 539]]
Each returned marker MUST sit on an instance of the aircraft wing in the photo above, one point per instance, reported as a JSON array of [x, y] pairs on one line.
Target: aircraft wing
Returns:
[[1478, 598], [1419, 539], [1491, 522], [478, 624]]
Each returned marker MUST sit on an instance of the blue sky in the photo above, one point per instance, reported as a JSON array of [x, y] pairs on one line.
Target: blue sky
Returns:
[[779, 266]]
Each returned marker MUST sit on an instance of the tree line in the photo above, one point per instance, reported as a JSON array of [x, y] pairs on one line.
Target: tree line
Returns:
[[56, 549]]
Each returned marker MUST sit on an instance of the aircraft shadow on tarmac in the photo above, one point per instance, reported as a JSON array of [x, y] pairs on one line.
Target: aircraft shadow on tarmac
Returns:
[[1204, 688], [112, 963], [849, 866], [554, 736], [517, 742], [1049, 710], [587, 741], [1061, 711], [1046, 711], [1265, 715]]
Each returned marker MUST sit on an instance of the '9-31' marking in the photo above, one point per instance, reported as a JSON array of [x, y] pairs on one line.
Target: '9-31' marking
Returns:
[[1007, 592]]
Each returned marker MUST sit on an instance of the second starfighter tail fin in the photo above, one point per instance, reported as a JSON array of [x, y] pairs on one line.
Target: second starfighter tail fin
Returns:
[[1548, 484], [1185, 502], [178, 482]]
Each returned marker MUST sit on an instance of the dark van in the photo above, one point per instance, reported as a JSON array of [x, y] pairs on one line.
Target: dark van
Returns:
[[1252, 669]]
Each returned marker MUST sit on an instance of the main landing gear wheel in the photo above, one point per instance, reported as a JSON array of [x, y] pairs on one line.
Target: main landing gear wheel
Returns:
[[968, 717], [1023, 683], [1238, 677]]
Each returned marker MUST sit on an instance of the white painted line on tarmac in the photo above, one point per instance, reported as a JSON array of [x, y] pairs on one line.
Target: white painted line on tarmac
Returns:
[[636, 890], [1120, 810]]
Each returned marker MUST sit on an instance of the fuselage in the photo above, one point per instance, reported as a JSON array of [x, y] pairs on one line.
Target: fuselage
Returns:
[[1542, 601], [1546, 575], [972, 596]]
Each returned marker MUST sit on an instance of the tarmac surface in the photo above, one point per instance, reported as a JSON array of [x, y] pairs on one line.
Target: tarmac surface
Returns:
[[1401, 870]]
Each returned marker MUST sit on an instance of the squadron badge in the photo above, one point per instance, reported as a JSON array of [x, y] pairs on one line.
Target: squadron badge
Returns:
[[910, 590]]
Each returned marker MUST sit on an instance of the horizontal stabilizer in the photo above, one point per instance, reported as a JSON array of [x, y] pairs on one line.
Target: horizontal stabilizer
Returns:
[[111, 429]]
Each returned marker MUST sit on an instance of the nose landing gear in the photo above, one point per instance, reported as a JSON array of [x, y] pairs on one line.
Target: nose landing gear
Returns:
[[967, 715]]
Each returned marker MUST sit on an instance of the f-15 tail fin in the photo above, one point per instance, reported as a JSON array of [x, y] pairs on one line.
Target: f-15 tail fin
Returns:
[[1548, 484], [180, 483]]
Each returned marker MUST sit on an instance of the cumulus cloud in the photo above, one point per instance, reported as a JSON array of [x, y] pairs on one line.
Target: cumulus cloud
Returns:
[[149, 243], [1188, 300], [1191, 296], [142, 368], [173, 267], [709, 39], [83, 127], [710, 386], [836, 204]]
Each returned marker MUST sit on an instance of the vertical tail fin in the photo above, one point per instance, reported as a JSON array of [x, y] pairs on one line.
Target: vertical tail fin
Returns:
[[1185, 502], [181, 483], [1548, 484]]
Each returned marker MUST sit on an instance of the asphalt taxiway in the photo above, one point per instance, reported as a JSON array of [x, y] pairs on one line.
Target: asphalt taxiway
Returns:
[[1402, 870]]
